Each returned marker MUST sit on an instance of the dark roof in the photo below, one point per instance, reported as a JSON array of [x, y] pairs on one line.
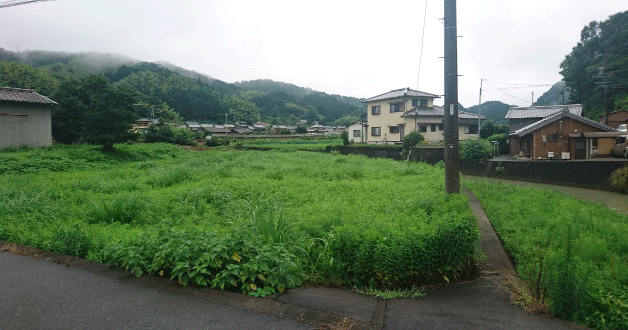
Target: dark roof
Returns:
[[438, 112], [562, 114], [23, 95], [400, 93], [542, 111]]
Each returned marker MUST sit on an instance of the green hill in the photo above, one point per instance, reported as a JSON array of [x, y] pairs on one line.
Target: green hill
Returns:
[[554, 95], [494, 111], [195, 96]]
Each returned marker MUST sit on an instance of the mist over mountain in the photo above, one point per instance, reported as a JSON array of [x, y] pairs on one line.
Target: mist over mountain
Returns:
[[193, 95]]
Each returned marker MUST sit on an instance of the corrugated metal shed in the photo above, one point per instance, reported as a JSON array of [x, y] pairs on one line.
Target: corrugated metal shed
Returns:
[[542, 111], [23, 95], [400, 93]]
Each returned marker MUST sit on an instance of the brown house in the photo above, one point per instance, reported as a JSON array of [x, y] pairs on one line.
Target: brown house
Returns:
[[615, 118], [563, 135]]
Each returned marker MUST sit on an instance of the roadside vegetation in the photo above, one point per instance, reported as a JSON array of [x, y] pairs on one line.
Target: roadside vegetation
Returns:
[[247, 221], [571, 255]]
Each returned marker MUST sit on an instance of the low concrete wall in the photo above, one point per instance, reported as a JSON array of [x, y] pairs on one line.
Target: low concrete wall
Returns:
[[592, 174], [425, 154], [585, 174]]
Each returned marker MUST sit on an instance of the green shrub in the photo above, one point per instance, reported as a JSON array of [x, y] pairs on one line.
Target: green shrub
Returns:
[[475, 149], [502, 139], [619, 178], [126, 208], [169, 134], [412, 139], [236, 262], [345, 138]]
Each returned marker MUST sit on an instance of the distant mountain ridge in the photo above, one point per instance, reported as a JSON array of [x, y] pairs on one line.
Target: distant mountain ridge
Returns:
[[554, 96], [195, 96], [494, 111]]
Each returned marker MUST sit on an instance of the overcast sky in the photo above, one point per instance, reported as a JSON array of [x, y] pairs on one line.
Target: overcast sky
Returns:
[[353, 48]]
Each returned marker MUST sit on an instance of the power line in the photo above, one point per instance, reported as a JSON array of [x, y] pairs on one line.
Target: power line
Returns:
[[422, 38], [528, 85], [505, 92], [11, 3]]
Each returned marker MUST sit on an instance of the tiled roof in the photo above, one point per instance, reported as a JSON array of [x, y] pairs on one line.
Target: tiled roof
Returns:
[[400, 93], [562, 114], [438, 112], [542, 111], [23, 95]]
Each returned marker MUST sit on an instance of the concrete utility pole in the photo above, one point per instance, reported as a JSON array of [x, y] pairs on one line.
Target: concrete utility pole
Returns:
[[480, 110], [452, 152]]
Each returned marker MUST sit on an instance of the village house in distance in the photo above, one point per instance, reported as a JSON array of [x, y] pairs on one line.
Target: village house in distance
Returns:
[[393, 114]]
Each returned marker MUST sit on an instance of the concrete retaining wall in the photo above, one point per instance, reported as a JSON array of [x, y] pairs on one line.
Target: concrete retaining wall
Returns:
[[592, 174]]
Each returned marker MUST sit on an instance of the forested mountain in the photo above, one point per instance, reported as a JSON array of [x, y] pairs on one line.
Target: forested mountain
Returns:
[[597, 67], [193, 95], [494, 111], [554, 96], [270, 86]]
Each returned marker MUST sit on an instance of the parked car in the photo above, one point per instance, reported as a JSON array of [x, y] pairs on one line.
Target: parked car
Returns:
[[623, 128], [620, 148]]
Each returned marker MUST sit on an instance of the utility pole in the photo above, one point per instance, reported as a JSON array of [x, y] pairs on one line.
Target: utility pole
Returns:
[[480, 110], [452, 152], [532, 98]]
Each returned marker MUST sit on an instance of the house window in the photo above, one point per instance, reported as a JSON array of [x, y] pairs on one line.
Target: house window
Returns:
[[394, 129], [423, 128], [552, 137], [594, 143], [441, 127], [419, 103], [395, 107], [376, 109], [433, 127], [376, 131], [471, 129], [356, 133]]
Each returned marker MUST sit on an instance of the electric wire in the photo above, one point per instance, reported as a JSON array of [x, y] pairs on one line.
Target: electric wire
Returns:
[[422, 39], [499, 90], [11, 3]]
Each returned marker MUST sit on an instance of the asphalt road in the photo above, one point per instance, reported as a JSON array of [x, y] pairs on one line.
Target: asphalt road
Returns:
[[38, 294]]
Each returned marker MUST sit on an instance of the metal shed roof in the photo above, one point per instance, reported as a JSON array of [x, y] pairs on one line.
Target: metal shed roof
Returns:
[[542, 111], [23, 95]]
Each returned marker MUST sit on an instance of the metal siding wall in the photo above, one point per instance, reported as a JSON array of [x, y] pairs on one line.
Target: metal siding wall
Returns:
[[35, 132]]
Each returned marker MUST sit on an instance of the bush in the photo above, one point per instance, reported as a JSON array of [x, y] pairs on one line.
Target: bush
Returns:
[[475, 149], [169, 134], [619, 178], [412, 139], [502, 139], [216, 142], [345, 138]]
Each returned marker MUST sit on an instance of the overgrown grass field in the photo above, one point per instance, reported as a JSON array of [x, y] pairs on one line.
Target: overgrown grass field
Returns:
[[573, 255], [247, 221]]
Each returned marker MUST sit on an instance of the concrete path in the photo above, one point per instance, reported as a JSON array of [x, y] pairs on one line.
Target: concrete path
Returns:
[[44, 293]]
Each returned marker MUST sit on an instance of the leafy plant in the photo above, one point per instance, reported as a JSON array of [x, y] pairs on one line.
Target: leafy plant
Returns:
[[619, 178], [412, 139], [475, 149]]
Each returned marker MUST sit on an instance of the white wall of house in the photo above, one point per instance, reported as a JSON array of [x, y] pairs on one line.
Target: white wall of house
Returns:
[[356, 132], [25, 124]]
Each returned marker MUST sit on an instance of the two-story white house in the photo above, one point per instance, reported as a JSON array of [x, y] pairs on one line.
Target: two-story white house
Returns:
[[393, 114]]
